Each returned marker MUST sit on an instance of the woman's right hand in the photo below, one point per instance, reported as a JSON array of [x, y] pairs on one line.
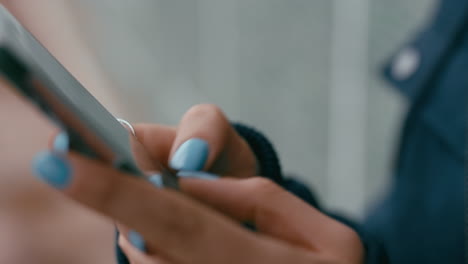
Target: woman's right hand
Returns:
[[201, 225], [204, 140]]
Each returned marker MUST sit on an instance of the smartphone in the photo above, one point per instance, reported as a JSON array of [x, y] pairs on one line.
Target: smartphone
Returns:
[[92, 130]]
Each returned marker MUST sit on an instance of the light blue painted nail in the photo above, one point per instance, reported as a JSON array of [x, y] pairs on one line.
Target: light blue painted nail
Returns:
[[197, 175], [156, 180], [61, 142], [52, 169], [137, 240], [191, 155]]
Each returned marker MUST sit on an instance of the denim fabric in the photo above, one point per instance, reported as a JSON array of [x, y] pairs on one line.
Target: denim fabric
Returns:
[[421, 219]]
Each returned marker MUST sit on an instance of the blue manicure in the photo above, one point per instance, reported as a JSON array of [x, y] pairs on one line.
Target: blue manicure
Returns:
[[197, 175], [191, 155], [137, 240], [61, 143], [156, 180], [52, 169]]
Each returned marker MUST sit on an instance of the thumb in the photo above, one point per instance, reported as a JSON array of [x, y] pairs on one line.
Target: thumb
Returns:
[[205, 140], [273, 210]]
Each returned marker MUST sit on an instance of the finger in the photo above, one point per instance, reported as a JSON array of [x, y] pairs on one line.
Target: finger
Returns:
[[272, 252], [201, 136], [136, 256], [178, 228], [134, 237], [272, 210], [151, 147], [206, 140], [157, 140]]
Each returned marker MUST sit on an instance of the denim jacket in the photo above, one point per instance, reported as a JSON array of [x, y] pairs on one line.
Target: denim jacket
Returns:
[[422, 218]]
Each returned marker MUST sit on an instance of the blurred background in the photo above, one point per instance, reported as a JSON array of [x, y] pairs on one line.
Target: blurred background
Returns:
[[306, 73]]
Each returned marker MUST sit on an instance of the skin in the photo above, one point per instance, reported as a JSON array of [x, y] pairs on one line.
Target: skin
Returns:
[[34, 219], [192, 226]]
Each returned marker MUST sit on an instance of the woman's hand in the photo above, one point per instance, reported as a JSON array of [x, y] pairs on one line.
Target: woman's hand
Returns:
[[289, 230], [202, 224], [203, 140]]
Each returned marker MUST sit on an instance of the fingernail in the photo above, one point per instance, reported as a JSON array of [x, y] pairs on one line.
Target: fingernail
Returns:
[[197, 175], [191, 155], [156, 180], [52, 169], [137, 240], [61, 143]]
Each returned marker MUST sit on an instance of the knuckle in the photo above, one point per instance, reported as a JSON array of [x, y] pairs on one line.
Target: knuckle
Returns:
[[265, 194], [350, 240], [210, 115], [262, 189], [261, 185], [353, 239], [347, 234], [353, 236], [206, 111]]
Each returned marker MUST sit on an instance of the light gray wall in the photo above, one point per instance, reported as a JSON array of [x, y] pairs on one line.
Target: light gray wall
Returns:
[[391, 24], [284, 66]]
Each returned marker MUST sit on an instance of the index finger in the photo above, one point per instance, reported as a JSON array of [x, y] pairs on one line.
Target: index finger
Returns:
[[157, 139]]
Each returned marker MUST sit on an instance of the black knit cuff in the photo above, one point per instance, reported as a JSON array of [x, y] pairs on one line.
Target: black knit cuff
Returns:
[[268, 162]]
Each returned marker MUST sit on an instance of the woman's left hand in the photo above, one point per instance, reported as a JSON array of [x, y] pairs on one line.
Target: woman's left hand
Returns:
[[201, 224]]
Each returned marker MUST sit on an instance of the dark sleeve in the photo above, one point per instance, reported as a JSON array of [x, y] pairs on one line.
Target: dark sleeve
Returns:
[[269, 166]]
